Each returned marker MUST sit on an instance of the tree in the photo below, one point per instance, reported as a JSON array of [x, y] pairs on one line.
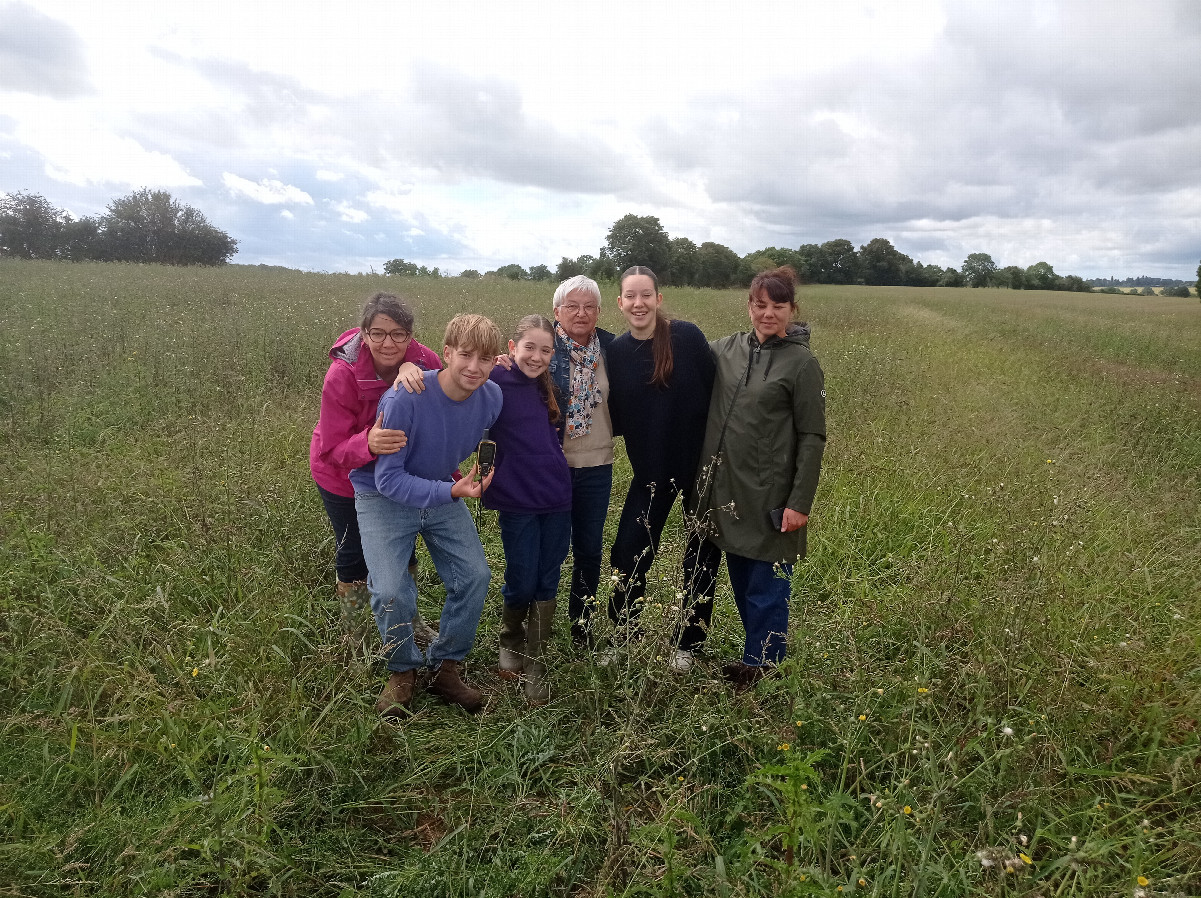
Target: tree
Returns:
[[950, 278], [1012, 276], [808, 262], [979, 270], [684, 260], [923, 275], [1182, 291], [152, 226], [716, 265], [1041, 276], [470, 273], [398, 267], [839, 264], [640, 240], [603, 268], [540, 273], [1077, 284], [1147, 291], [568, 268], [882, 264], [80, 239], [1199, 280], [30, 226], [513, 272]]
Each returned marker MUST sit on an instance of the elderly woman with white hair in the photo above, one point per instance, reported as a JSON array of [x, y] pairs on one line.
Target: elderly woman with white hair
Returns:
[[581, 383]]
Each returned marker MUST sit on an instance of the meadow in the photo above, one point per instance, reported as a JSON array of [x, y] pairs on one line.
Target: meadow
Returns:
[[994, 674]]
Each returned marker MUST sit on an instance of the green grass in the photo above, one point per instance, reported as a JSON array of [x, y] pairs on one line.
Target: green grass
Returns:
[[995, 645]]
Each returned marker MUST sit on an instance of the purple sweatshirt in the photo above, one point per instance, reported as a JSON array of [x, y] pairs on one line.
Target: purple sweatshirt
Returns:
[[531, 476]]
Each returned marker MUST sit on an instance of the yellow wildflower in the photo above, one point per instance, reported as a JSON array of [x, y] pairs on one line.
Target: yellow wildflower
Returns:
[[907, 809], [1143, 881]]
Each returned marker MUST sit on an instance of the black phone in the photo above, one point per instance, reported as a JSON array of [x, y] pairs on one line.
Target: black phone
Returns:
[[485, 455], [777, 518]]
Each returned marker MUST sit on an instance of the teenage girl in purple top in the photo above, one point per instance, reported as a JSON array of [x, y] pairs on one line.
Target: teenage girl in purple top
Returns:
[[531, 492]]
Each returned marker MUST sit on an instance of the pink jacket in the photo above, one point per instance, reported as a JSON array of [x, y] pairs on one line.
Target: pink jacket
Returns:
[[349, 397]]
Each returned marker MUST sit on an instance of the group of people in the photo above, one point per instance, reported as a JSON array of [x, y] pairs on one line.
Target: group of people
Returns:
[[736, 427]]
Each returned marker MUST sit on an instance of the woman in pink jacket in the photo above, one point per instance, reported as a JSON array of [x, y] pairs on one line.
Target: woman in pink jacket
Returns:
[[364, 363]]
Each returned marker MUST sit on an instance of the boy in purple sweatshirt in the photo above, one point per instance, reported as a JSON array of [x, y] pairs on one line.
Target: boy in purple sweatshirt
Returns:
[[413, 491]]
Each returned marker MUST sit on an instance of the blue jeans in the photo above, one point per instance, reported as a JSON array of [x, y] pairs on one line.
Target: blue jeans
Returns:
[[535, 546], [590, 489], [348, 556], [761, 592], [389, 531]]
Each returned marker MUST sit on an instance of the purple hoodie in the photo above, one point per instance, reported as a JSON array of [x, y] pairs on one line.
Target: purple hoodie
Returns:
[[349, 399], [531, 476]]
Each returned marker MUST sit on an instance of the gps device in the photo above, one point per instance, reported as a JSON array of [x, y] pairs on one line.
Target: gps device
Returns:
[[485, 455]]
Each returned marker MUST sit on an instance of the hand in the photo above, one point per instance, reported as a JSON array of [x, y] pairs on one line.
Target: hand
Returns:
[[382, 441], [469, 487], [505, 361], [793, 520], [411, 378]]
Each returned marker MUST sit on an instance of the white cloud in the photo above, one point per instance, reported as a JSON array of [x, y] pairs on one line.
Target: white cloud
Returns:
[[286, 213], [326, 175], [268, 190], [350, 213]]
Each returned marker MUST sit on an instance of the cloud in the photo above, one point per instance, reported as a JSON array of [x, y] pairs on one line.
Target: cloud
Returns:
[[267, 191], [324, 175], [347, 212], [82, 153], [40, 55]]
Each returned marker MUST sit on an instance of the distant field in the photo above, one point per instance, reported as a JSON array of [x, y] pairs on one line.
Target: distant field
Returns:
[[995, 656]]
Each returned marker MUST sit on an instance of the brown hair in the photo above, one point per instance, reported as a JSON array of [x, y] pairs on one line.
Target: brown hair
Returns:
[[387, 304], [473, 333], [664, 363], [542, 323], [777, 284]]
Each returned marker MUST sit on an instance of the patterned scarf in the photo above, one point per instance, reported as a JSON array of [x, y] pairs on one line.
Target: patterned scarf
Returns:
[[585, 392]]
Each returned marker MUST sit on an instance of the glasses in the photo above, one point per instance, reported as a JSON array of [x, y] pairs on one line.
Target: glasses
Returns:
[[375, 335], [571, 308]]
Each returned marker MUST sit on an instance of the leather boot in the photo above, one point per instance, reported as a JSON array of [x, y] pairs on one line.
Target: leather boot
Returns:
[[353, 598], [397, 695], [447, 684], [512, 641], [538, 633]]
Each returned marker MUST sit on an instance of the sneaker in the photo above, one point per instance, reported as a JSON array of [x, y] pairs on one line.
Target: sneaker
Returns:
[[681, 661], [447, 684], [397, 695]]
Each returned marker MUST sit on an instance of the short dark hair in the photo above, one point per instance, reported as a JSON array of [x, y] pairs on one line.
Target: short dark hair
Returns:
[[388, 304]]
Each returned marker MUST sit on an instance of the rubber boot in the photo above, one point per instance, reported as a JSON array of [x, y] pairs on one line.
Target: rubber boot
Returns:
[[353, 599], [397, 695], [538, 633], [512, 641], [447, 684]]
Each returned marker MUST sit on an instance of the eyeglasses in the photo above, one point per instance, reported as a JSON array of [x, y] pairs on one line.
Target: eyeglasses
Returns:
[[570, 308], [375, 335]]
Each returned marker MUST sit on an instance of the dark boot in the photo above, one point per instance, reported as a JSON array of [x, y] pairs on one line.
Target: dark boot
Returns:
[[538, 633], [743, 676], [512, 641], [397, 694], [448, 685]]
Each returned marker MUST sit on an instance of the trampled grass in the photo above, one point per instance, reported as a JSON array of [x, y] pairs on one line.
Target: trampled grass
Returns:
[[994, 680]]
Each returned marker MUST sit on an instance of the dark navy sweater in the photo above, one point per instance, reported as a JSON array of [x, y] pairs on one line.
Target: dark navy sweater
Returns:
[[663, 427]]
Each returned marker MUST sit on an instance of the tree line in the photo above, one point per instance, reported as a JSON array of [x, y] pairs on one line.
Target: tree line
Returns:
[[144, 226], [642, 240]]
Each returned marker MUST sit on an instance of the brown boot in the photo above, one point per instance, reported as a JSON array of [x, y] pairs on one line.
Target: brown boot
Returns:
[[538, 632], [448, 685], [512, 642], [397, 694]]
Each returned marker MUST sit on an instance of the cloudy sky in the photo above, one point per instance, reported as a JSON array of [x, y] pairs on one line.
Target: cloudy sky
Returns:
[[335, 136]]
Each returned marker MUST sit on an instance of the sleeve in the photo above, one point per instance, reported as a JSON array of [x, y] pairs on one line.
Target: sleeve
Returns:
[[343, 443], [392, 477], [809, 421]]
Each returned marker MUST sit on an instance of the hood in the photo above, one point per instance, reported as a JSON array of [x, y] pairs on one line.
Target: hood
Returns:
[[797, 333], [346, 348]]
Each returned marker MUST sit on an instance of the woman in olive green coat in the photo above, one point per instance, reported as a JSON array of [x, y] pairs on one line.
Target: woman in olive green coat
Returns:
[[760, 464]]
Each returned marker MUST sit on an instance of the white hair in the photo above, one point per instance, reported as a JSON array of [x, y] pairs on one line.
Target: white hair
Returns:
[[580, 283]]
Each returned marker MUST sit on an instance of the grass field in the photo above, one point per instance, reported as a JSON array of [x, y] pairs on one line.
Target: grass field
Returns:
[[994, 680]]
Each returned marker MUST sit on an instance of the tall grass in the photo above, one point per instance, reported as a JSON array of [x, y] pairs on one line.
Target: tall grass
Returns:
[[994, 673]]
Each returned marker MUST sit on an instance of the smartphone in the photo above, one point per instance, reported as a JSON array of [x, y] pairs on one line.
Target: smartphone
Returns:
[[485, 455], [777, 518]]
